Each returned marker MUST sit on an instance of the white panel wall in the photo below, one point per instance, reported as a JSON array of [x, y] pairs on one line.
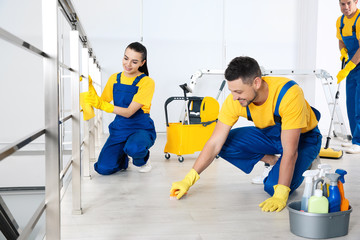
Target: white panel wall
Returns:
[[181, 37], [21, 84]]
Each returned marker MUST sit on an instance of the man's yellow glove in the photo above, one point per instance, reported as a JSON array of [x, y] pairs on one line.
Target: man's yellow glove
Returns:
[[94, 100], [345, 71], [178, 189], [344, 54], [277, 201]]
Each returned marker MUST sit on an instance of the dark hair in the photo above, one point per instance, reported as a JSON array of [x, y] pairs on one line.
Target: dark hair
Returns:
[[245, 68], [138, 47]]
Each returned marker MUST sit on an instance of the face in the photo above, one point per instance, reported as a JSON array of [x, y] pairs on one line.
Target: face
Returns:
[[132, 61], [244, 93], [348, 7]]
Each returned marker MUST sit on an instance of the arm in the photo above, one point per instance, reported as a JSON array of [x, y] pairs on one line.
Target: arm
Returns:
[[341, 45], [343, 73], [207, 155], [356, 58], [212, 147], [98, 102], [129, 111], [290, 141]]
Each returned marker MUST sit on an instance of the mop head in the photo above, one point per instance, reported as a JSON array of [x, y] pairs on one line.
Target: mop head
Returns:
[[330, 153]]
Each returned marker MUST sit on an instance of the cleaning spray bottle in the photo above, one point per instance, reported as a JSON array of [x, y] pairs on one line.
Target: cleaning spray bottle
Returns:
[[344, 202], [334, 193], [318, 203], [309, 175], [324, 168]]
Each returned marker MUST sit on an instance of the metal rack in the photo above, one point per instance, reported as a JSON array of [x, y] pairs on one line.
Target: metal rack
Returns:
[[53, 69]]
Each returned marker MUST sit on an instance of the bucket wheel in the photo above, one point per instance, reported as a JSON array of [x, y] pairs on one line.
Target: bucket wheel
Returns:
[[180, 158], [167, 155]]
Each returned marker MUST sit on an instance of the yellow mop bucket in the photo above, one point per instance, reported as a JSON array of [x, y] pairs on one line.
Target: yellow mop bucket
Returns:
[[190, 137]]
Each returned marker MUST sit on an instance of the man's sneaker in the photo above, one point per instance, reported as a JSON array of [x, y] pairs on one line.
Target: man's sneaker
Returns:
[[353, 149], [260, 179], [145, 168], [347, 144]]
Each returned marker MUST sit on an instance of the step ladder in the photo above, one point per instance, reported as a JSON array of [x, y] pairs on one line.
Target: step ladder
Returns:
[[328, 84], [331, 94]]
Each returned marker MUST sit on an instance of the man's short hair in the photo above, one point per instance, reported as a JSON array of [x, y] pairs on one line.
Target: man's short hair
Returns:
[[243, 67]]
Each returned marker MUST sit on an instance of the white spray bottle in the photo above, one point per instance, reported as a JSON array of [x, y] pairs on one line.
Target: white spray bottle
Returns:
[[324, 168], [309, 176]]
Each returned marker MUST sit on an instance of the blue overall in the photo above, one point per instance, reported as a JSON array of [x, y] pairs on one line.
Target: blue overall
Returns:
[[352, 84], [131, 136], [245, 146]]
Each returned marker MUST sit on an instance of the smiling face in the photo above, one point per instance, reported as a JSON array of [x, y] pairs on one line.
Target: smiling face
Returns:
[[244, 93], [131, 62], [348, 7]]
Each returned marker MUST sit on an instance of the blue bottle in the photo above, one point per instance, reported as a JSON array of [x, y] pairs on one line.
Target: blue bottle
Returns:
[[334, 193]]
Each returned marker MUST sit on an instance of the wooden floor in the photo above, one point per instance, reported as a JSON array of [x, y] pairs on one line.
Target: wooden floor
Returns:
[[223, 204]]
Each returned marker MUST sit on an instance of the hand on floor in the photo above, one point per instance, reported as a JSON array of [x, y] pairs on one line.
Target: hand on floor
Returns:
[[178, 189], [278, 201]]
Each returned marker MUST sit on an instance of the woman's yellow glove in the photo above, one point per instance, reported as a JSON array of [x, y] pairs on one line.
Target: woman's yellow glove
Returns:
[[94, 100], [345, 71], [178, 189], [88, 110], [344, 54], [278, 201]]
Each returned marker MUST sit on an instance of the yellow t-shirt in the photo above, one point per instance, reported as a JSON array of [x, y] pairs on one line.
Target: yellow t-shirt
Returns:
[[294, 110], [143, 96], [348, 23]]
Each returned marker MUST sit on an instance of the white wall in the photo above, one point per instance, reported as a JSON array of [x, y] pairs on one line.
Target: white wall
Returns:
[[184, 36], [181, 37]]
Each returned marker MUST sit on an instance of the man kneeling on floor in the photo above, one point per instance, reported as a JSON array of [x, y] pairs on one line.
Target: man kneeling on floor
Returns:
[[285, 124]]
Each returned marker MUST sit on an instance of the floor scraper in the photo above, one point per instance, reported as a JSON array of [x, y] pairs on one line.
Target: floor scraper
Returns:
[[327, 152]]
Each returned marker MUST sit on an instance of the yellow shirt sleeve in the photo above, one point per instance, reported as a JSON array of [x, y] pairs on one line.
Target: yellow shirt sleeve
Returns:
[[145, 93], [107, 93], [231, 111], [338, 35], [293, 109], [295, 112]]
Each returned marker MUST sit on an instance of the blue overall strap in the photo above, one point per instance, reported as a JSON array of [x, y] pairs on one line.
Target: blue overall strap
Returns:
[[342, 25], [118, 77], [354, 26], [138, 78], [283, 91], [248, 113]]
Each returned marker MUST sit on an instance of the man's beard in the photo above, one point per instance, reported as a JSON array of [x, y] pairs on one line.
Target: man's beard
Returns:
[[249, 102]]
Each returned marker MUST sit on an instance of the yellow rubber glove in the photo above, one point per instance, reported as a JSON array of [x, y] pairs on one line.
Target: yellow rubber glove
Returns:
[[345, 71], [277, 201], [178, 189], [344, 54], [94, 100], [88, 110]]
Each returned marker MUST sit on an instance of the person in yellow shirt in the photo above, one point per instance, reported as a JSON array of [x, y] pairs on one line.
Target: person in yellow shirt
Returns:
[[348, 33], [285, 125], [132, 132]]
